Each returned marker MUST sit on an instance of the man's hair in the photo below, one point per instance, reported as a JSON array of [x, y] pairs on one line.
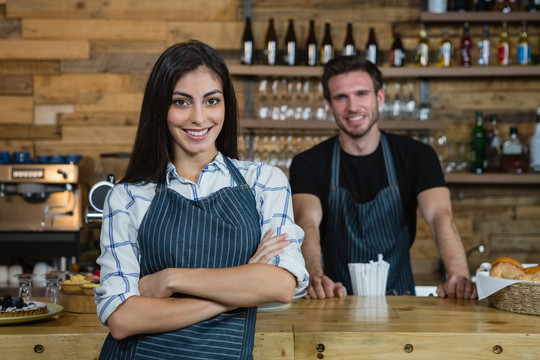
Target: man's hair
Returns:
[[346, 64]]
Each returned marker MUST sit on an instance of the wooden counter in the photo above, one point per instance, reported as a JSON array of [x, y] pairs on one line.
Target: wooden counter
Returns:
[[349, 328]]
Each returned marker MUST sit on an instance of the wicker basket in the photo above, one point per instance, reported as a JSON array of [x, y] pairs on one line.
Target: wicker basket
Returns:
[[522, 297]]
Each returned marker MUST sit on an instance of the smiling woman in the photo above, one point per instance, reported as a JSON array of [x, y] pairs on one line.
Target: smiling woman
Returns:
[[195, 119], [193, 239]]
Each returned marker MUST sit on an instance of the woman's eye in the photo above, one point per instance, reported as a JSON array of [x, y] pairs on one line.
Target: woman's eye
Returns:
[[180, 102], [212, 101]]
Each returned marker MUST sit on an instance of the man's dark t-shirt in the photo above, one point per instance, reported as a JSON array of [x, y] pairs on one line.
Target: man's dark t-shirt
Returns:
[[416, 164]]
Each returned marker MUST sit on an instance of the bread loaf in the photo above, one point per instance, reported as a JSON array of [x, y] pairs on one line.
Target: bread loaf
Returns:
[[508, 268]]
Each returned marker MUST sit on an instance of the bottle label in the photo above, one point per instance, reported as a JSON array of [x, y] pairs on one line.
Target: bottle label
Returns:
[[422, 54], [396, 57], [512, 148], [504, 54], [483, 52], [524, 54], [349, 50], [326, 53], [466, 56], [312, 55], [445, 55], [271, 53], [371, 54], [290, 58], [247, 53]]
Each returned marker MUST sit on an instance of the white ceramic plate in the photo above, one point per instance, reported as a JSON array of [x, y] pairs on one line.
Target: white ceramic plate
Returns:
[[52, 309]]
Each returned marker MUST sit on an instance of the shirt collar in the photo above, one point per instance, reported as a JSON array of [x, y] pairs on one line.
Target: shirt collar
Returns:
[[217, 163]]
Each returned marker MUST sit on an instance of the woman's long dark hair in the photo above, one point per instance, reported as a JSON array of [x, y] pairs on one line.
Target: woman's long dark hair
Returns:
[[153, 143]]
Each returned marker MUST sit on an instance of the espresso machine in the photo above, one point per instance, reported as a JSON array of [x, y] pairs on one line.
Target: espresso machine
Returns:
[[40, 210]]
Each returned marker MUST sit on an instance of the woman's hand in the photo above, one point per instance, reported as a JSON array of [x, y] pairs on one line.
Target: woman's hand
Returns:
[[269, 247], [156, 284]]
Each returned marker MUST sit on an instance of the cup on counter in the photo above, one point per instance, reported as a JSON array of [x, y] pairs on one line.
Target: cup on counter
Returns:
[[5, 157], [57, 159], [22, 157], [369, 279]]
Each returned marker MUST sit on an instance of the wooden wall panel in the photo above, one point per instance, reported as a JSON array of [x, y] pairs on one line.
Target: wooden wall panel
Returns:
[[78, 88], [98, 135], [16, 85], [124, 9], [29, 132], [29, 67], [114, 119], [123, 63], [48, 114], [44, 49], [94, 29], [16, 110], [113, 102]]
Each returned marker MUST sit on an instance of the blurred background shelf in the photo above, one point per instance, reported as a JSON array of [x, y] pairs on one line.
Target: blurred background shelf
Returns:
[[393, 72], [492, 178], [330, 125]]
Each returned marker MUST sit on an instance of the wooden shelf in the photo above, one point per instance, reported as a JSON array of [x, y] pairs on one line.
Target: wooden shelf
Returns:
[[479, 16], [492, 178], [330, 125], [393, 72]]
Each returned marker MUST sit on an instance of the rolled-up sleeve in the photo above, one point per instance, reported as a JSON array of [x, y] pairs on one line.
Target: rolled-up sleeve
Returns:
[[119, 259], [274, 203]]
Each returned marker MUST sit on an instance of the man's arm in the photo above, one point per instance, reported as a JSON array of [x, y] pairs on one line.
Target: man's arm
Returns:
[[436, 208], [308, 215]]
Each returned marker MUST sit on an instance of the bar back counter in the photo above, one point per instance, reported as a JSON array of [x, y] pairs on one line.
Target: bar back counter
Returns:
[[395, 327]]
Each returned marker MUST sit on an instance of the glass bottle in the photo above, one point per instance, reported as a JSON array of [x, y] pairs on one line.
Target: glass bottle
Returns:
[[532, 5], [461, 5], [349, 47], [493, 153], [465, 47], [248, 46], [446, 50], [478, 145], [506, 6], [397, 53], [289, 49], [483, 5], [513, 154], [327, 47], [311, 45], [534, 146], [484, 47], [422, 50], [523, 47], [270, 49], [504, 46], [371, 47]]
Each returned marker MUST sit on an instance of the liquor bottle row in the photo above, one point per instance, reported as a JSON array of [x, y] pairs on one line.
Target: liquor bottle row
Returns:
[[313, 53], [466, 54], [505, 6], [489, 152]]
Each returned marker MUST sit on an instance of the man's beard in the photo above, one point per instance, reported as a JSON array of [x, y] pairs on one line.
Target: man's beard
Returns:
[[374, 119]]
